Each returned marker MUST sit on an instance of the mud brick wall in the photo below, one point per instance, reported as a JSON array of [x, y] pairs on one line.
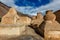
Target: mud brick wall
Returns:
[[11, 30], [52, 32]]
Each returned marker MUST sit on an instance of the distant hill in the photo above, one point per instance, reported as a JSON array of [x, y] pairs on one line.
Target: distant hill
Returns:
[[3, 9]]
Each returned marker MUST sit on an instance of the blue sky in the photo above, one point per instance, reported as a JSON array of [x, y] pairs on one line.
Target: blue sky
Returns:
[[31, 7], [33, 3]]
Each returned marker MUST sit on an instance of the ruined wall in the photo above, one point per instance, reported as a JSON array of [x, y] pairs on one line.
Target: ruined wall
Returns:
[[37, 20], [10, 17], [11, 30], [52, 27]]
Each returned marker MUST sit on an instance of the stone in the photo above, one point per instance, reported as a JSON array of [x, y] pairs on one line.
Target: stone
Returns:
[[25, 37], [52, 27], [10, 17]]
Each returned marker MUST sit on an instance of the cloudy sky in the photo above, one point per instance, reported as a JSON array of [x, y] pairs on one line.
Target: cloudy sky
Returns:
[[31, 7]]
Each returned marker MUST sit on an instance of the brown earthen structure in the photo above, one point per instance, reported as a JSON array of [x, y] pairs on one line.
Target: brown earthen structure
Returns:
[[52, 27]]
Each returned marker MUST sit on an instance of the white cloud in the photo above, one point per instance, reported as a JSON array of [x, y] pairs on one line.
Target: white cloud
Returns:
[[8, 2], [54, 5]]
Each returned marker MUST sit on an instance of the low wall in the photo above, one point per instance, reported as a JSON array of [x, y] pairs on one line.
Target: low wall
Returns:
[[11, 30]]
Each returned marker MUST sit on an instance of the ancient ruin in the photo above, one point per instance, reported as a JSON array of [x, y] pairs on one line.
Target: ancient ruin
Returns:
[[12, 26], [10, 18], [24, 20], [50, 14], [37, 20], [51, 30]]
